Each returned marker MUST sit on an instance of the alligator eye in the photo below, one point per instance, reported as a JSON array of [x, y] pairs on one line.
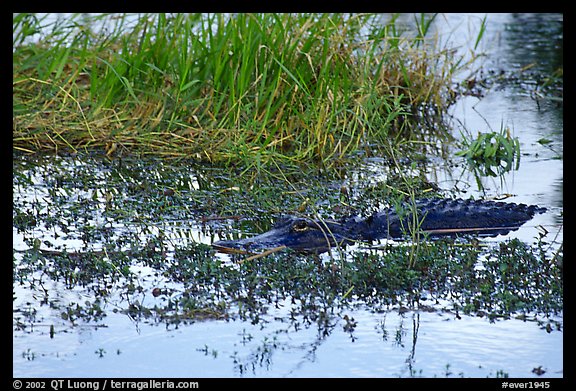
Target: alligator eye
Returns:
[[300, 226]]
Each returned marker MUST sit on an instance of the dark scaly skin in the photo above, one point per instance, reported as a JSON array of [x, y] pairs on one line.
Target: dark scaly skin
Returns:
[[436, 217]]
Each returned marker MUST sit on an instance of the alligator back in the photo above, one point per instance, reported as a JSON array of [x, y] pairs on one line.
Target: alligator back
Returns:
[[440, 217]]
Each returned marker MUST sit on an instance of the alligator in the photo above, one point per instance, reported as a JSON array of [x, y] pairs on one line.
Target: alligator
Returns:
[[434, 218]]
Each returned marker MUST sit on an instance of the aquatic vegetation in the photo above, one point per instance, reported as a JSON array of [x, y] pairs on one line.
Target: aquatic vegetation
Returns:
[[493, 153], [243, 89], [135, 248]]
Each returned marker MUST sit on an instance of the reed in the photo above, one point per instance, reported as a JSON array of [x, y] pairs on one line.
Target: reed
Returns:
[[235, 89]]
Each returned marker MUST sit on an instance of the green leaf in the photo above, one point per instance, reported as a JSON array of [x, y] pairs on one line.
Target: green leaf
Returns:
[[188, 85], [544, 141]]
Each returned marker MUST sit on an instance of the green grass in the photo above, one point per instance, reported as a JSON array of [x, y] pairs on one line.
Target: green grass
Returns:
[[241, 89]]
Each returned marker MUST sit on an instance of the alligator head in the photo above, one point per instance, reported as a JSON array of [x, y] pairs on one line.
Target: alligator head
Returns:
[[298, 233]]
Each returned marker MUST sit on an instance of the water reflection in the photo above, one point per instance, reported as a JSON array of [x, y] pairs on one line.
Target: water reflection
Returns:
[[527, 48], [532, 39]]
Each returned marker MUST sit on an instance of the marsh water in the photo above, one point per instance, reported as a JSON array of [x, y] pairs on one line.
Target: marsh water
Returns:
[[60, 330]]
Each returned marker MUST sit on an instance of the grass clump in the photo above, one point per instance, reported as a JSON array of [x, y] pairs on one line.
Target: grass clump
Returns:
[[492, 154], [242, 88]]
